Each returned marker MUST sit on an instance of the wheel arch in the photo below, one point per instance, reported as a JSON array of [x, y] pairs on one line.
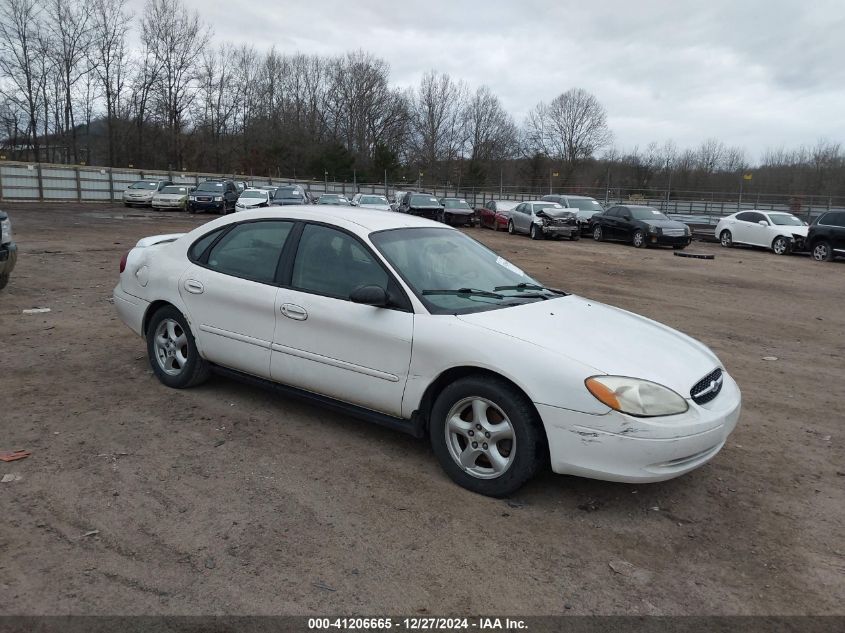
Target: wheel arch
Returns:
[[154, 307], [452, 374]]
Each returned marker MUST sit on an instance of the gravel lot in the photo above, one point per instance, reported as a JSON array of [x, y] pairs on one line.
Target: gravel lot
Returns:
[[227, 499]]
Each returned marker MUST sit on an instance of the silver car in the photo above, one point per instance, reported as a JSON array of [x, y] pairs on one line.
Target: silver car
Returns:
[[141, 193], [370, 201], [541, 219]]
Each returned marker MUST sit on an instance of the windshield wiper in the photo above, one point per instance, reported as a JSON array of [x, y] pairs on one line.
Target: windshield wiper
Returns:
[[469, 292], [521, 287]]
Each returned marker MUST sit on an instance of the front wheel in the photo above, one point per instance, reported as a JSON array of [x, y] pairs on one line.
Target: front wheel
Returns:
[[511, 228], [4, 281], [822, 252], [486, 435], [679, 247], [535, 232], [726, 239], [781, 246], [598, 236], [638, 240], [173, 351]]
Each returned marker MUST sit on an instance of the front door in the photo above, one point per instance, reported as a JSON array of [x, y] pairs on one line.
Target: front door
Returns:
[[328, 345], [230, 294]]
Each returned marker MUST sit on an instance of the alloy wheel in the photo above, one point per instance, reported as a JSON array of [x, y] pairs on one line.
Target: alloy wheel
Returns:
[[171, 347], [725, 239], [821, 252], [480, 438], [780, 246], [597, 234]]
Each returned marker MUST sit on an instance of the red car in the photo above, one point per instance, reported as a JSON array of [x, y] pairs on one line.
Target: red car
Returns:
[[494, 214]]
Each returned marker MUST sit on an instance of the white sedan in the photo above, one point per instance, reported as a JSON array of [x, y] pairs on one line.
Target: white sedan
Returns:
[[778, 231], [253, 199], [414, 325]]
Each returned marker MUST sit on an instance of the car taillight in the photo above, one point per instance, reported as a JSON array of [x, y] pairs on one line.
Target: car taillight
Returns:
[[123, 262]]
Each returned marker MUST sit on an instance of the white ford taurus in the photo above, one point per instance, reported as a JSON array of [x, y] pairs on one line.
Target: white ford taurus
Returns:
[[416, 326]]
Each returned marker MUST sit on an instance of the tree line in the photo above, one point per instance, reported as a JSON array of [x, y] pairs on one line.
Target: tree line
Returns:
[[73, 90]]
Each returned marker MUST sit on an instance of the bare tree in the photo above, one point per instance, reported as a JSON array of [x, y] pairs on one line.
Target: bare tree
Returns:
[[490, 131], [109, 58], [436, 108], [176, 38], [572, 128]]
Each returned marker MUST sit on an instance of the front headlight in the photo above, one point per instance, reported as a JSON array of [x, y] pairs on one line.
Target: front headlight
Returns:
[[218, 198], [653, 230], [5, 231], [192, 198], [687, 230], [641, 398]]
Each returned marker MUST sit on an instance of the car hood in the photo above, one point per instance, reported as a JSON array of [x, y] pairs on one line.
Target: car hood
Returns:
[[665, 224], [251, 202], [139, 192], [459, 211], [794, 230], [282, 202], [170, 196], [610, 340], [377, 207], [555, 213]]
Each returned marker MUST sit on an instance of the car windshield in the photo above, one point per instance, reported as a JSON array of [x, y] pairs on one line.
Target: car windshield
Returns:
[[465, 272], [252, 193], [288, 192], [332, 199], [373, 200], [210, 186], [646, 213], [144, 184], [175, 190], [456, 204], [785, 219], [546, 205], [585, 204], [424, 201]]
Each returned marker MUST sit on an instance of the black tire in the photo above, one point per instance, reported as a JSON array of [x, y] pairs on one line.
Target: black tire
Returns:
[[195, 371], [679, 247], [4, 281], [511, 227], [781, 245], [598, 234], [821, 251], [531, 451], [574, 237], [535, 233], [638, 239], [191, 210], [126, 204], [726, 239]]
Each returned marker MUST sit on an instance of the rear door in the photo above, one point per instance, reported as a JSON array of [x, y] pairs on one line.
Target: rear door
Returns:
[[837, 232], [325, 343], [230, 293]]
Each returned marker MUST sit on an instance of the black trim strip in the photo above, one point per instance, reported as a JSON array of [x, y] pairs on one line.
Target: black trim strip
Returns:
[[414, 427]]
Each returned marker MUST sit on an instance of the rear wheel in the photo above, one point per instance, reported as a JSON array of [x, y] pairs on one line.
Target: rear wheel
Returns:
[[638, 239], [726, 239], [598, 236], [487, 435], [822, 251], [173, 351], [535, 232], [781, 246]]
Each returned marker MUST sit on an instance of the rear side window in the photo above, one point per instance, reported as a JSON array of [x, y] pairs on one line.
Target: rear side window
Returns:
[[203, 243], [251, 250]]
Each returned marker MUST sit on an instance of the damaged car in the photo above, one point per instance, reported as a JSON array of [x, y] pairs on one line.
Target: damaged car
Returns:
[[541, 220]]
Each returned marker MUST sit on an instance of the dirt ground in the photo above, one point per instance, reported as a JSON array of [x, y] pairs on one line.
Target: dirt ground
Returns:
[[226, 499]]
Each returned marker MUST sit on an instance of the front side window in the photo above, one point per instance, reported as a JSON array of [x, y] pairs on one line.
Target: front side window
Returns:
[[334, 263], [251, 250]]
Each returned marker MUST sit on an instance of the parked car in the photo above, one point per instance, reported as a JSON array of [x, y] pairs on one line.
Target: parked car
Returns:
[[397, 199], [269, 188], [457, 212], [421, 204], [172, 197], [586, 207], [219, 196], [290, 194], [540, 220], [641, 226], [141, 193], [370, 201], [778, 231], [495, 214], [8, 250], [418, 327], [241, 185], [334, 199], [826, 237], [253, 199]]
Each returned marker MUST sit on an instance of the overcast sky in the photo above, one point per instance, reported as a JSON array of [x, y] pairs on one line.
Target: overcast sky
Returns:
[[752, 73]]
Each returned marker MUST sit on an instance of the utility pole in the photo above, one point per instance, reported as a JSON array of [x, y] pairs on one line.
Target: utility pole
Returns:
[[550, 180], [385, 183], [607, 188], [669, 184], [501, 182], [326, 181]]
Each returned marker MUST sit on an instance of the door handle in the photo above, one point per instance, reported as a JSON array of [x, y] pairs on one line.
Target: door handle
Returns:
[[293, 311], [193, 286]]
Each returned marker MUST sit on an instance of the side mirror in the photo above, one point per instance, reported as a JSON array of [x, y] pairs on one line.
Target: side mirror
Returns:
[[762, 223], [370, 295]]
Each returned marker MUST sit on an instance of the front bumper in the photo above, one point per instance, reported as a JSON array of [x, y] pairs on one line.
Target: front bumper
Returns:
[[460, 219], [424, 213], [8, 258], [565, 230], [168, 204], [619, 447], [196, 205], [668, 240]]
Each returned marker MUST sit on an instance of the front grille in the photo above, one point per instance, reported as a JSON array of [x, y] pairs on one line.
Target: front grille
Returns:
[[707, 388], [674, 232]]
